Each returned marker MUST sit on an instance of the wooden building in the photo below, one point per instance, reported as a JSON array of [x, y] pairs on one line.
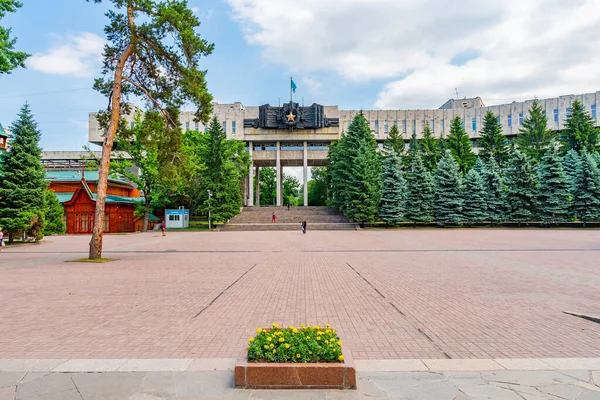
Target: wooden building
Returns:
[[77, 194]]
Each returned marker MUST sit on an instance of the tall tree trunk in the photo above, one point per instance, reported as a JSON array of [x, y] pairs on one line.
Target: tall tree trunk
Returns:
[[115, 116], [146, 213]]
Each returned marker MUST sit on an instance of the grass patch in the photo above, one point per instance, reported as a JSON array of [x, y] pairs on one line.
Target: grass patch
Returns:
[[93, 261]]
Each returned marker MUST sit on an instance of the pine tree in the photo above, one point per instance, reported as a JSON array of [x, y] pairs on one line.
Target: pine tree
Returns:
[[479, 167], [53, 215], [521, 188], [9, 58], [586, 193], [419, 193], [413, 148], [571, 165], [495, 192], [391, 208], [553, 193], [535, 139], [579, 134], [492, 142], [430, 149], [394, 141], [474, 205], [459, 144], [22, 182], [448, 203]]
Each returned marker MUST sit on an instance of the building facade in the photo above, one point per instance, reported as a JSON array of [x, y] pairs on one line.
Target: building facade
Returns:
[[273, 140]]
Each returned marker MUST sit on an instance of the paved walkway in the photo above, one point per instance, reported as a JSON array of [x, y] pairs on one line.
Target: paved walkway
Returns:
[[529, 379], [392, 294]]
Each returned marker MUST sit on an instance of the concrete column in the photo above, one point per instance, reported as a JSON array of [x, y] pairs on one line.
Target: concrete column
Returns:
[[257, 186], [251, 179], [305, 173], [279, 175], [281, 185]]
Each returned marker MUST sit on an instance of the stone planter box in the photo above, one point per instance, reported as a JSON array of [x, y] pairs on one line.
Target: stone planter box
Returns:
[[252, 375]]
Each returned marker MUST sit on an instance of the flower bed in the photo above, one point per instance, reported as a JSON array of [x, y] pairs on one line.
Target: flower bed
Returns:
[[308, 344], [309, 357]]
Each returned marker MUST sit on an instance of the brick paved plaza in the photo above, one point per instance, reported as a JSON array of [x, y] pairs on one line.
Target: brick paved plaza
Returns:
[[391, 293]]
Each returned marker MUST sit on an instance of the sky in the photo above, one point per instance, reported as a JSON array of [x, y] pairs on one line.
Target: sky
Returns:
[[357, 54]]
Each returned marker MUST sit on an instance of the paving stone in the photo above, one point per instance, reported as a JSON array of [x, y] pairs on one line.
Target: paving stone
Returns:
[[523, 364], [29, 365], [213, 364], [209, 384], [155, 365], [596, 377], [286, 394], [527, 378], [443, 390], [107, 385], [7, 393], [489, 392], [569, 392], [580, 375], [71, 394], [390, 365], [10, 378], [462, 365], [573, 363], [90, 365], [588, 395], [46, 384], [587, 386], [159, 384], [389, 381]]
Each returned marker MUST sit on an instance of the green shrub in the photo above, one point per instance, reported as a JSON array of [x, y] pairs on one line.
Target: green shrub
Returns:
[[307, 344]]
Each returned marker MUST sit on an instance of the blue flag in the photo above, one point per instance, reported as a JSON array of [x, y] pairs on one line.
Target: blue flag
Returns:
[[293, 86]]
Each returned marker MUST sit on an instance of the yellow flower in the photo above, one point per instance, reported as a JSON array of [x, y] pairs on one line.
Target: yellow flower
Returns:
[[339, 343], [309, 352], [319, 332], [251, 340], [328, 331], [316, 327], [297, 355], [281, 339], [269, 339], [318, 337], [335, 350], [341, 358], [308, 337], [292, 327], [274, 351], [259, 330], [295, 330], [287, 346], [327, 325], [302, 326], [271, 345], [264, 331], [275, 326], [265, 346]]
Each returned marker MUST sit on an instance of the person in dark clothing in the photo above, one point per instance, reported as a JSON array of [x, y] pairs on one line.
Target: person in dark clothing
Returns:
[[304, 227], [289, 205]]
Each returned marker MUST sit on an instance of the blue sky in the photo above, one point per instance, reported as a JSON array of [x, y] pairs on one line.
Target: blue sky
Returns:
[[351, 53]]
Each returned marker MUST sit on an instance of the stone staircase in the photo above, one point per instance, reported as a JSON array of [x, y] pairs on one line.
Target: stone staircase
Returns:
[[317, 218]]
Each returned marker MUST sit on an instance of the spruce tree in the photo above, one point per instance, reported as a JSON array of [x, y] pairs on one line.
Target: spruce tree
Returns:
[[413, 148], [53, 215], [459, 144], [448, 202], [419, 193], [492, 142], [495, 192], [571, 165], [394, 141], [553, 193], [534, 138], [579, 134], [521, 189], [474, 205], [22, 182], [479, 167], [391, 208], [430, 149], [586, 190]]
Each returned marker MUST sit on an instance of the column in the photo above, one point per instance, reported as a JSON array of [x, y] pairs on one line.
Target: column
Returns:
[[279, 177], [251, 178], [305, 173], [257, 186]]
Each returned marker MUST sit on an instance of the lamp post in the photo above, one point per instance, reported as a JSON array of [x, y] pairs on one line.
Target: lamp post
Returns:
[[209, 224]]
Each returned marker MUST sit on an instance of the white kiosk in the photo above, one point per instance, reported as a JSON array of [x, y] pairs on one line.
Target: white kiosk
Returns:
[[179, 218]]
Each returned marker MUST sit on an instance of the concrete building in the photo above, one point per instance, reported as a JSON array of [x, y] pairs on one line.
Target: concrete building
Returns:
[[303, 140]]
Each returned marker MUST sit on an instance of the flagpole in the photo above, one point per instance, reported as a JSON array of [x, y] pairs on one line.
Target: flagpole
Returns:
[[291, 80]]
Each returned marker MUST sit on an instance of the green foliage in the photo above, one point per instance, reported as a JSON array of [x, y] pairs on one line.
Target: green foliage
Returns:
[[419, 193], [414, 148], [394, 141], [448, 201], [9, 59], [586, 189], [355, 172], [474, 204], [291, 188], [391, 208], [22, 182], [268, 186], [298, 345], [495, 192], [571, 166], [521, 188], [492, 142], [317, 187], [53, 215], [459, 144], [430, 149], [535, 139], [479, 167], [579, 134], [553, 193]]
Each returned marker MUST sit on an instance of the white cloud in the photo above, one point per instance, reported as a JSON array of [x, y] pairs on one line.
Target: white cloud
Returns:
[[522, 47], [314, 86], [78, 55]]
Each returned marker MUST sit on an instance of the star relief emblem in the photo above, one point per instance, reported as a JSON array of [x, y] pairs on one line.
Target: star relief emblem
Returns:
[[291, 117]]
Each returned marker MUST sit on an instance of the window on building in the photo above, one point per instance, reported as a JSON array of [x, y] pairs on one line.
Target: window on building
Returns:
[[173, 217], [105, 223], [224, 126], [414, 125], [594, 111], [520, 119], [556, 115], [187, 126], [499, 122], [509, 120], [395, 122], [84, 222], [474, 124], [432, 125], [132, 124], [385, 127], [463, 124], [376, 127], [205, 128], [233, 128], [197, 126], [403, 126], [76, 222], [568, 112], [442, 125]]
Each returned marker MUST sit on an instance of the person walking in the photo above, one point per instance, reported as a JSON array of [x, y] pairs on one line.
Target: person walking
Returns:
[[273, 218], [303, 227], [1, 240], [162, 228], [289, 205]]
